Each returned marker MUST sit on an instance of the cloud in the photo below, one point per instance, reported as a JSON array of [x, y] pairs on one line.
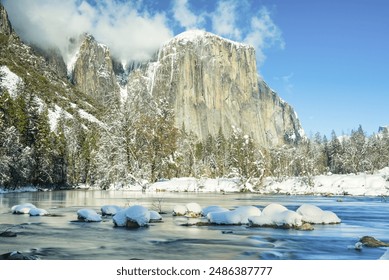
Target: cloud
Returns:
[[130, 33], [264, 34], [135, 29], [185, 17], [224, 20], [239, 20]]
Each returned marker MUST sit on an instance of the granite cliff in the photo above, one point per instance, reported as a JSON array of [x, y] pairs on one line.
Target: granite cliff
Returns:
[[93, 71], [213, 83]]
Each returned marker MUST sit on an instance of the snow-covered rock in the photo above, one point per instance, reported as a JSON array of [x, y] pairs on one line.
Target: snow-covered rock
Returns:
[[224, 218], [110, 210], [193, 209], [213, 208], [138, 214], [179, 210], [155, 216], [22, 208], [314, 215], [88, 215], [286, 218], [238, 216], [273, 209], [119, 219], [38, 212], [135, 216]]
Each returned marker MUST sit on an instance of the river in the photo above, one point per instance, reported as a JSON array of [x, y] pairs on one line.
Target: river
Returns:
[[60, 237]]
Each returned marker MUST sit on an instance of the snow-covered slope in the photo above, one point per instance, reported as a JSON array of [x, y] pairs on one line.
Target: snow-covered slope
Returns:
[[9, 80]]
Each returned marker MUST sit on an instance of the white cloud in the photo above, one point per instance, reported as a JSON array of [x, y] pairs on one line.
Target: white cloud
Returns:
[[185, 17], [224, 20], [134, 30], [131, 35], [264, 34]]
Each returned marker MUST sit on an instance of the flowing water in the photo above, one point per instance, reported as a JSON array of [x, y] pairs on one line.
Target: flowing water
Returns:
[[60, 237]]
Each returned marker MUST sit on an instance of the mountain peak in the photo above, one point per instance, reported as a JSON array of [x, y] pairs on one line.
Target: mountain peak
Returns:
[[5, 24], [196, 36]]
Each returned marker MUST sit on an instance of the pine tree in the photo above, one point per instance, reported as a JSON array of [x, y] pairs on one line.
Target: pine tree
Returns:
[[335, 155], [22, 118], [43, 151], [60, 153]]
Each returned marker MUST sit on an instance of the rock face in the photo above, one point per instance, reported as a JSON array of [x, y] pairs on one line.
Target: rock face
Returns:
[[93, 71], [212, 83], [54, 61], [5, 25]]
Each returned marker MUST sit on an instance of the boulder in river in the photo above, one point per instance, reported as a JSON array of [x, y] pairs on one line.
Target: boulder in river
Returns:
[[370, 241]]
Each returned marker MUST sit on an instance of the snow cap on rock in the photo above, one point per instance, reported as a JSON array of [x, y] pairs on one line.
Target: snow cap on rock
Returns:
[[238, 216], [314, 215], [88, 215], [22, 208], [110, 210], [38, 212], [138, 214]]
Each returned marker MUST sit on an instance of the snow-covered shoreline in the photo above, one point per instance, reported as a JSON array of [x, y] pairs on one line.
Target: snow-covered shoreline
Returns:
[[376, 184]]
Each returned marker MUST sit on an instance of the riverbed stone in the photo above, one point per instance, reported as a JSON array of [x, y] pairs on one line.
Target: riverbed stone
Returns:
[[370, 241]]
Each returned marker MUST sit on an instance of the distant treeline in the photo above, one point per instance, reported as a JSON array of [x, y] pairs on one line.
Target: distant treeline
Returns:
[[138, 142]]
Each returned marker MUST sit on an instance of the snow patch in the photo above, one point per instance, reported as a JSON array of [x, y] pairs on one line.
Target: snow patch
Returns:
[[123, 93], [198, 185], [376, 184], [10, 81], [89, 117], [54, 116]]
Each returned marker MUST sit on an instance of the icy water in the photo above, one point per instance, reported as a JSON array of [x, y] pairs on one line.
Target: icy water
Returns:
[[59, 237]]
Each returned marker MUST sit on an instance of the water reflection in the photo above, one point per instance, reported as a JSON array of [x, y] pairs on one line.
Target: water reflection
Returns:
[[60, 238]]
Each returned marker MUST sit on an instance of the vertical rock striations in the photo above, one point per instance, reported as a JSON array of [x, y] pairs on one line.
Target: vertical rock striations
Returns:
[[5, 25], [212, 83], [93, 71]]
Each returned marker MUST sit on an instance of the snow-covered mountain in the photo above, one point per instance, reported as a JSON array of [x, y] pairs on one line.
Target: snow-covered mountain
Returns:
[[24, 68], [212, 83]]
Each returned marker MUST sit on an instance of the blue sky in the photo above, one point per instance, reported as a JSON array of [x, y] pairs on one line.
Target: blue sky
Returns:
[[329, 59], [334, 69]]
